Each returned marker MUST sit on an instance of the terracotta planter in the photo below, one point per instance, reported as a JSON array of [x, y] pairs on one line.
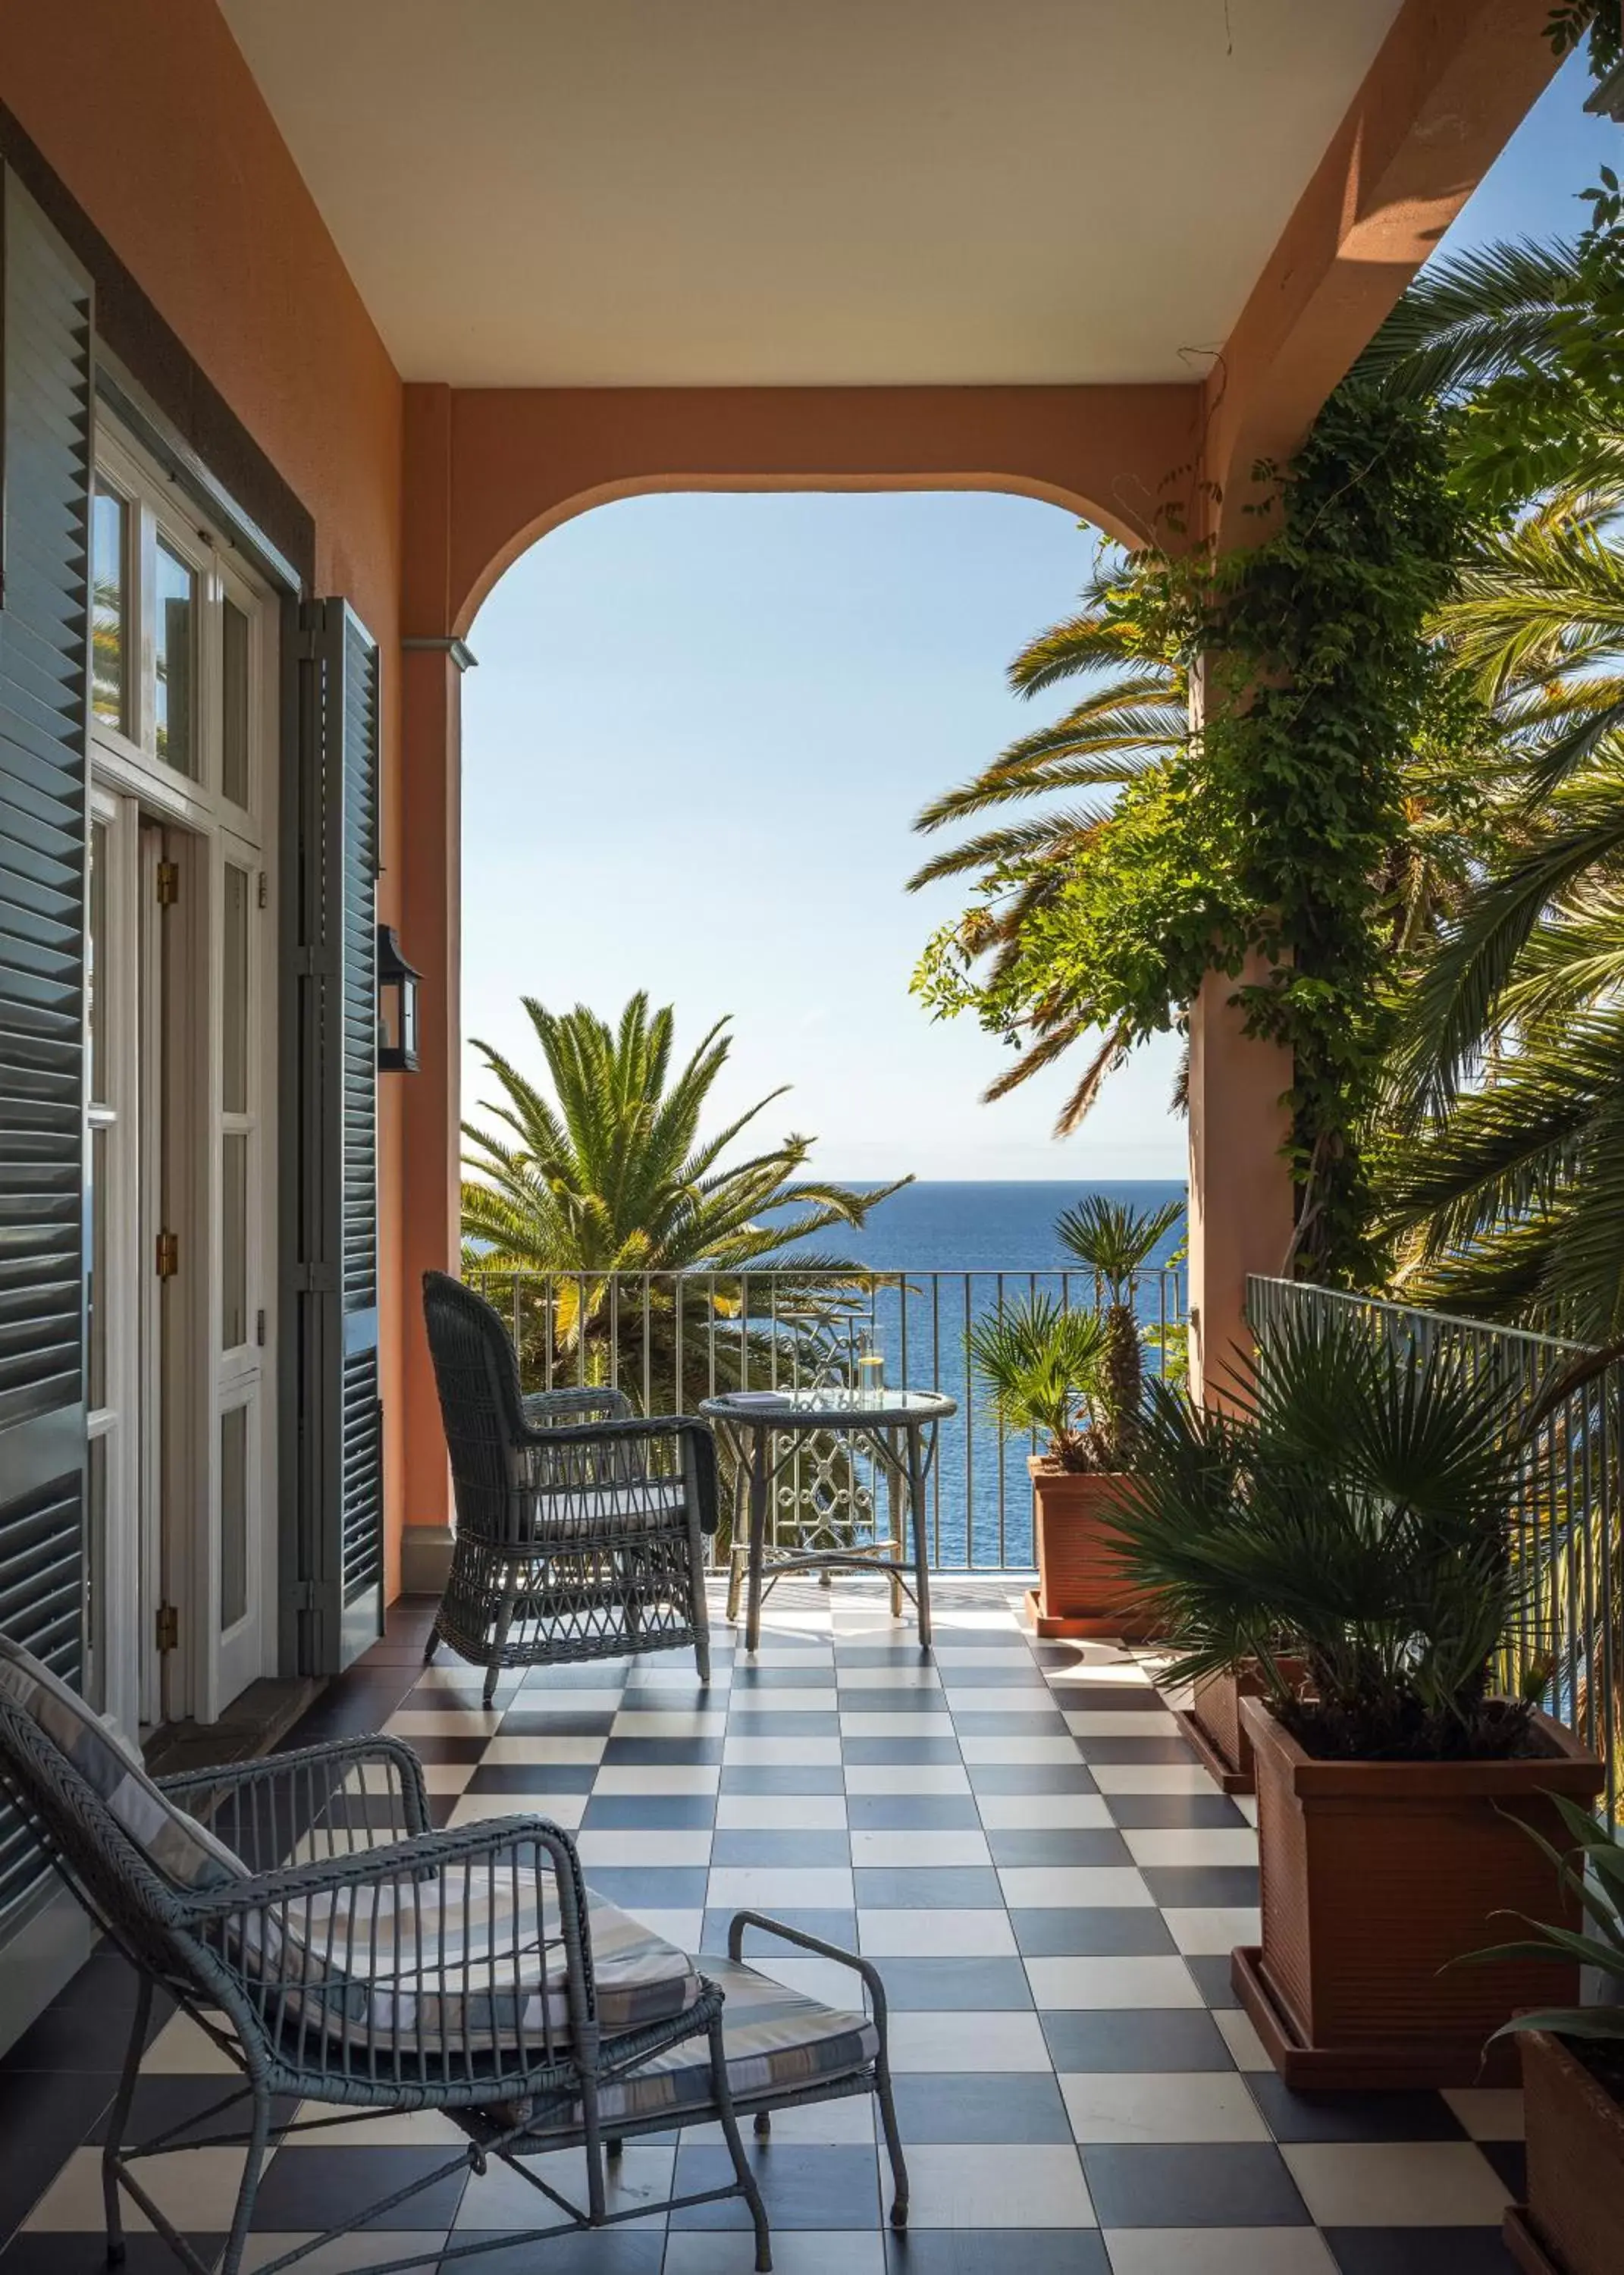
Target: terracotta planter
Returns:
[[1376, 1875], [1573, 2222], [1082, 1587], [1212, 1723]]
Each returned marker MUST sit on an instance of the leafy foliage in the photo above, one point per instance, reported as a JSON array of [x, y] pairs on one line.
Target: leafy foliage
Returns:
[[1044, 1366], [1592, 1873], [1349, 1508], [1529, 340], [1601, 21]]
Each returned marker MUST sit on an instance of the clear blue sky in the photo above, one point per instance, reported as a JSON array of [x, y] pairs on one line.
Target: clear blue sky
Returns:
[[701, 728]]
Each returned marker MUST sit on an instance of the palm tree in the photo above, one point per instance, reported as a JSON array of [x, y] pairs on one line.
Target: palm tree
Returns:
[[1507, 1083], [1133, 717], [610, 1174], [1115, 1241]]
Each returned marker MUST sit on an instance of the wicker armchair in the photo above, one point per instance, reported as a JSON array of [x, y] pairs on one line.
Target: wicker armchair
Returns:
[[581, 1531], [338, 1951]]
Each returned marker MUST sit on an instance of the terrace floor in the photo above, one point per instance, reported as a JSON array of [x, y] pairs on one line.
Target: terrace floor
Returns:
[[1015, 1831]]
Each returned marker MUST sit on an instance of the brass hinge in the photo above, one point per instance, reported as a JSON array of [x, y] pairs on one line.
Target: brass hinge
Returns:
[[169, 884], [168, 1626], [264, 890], [168, 1261]]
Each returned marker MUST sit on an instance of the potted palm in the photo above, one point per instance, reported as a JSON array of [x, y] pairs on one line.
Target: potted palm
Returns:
[[1045, 1367], [1116, 1242], [1351, 1511], [1573, 2072]]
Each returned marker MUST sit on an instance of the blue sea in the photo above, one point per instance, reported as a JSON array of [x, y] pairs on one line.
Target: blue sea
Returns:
[[989, 1228], [961, 1251]]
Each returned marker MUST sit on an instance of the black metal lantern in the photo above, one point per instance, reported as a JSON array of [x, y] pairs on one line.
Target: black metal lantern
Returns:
[[397, 1006]]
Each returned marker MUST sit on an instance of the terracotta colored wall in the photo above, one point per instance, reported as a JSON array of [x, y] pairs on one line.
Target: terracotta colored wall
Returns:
[[524, 459], [146, 111], [1448, 89]]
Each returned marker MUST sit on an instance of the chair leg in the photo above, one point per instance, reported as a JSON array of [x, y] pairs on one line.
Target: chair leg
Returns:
[[893, 2144], [593, 2148], [747, 2178], [701, 1614], [117, 2123], [499, 1641], [431, 1645], [249, 2187]]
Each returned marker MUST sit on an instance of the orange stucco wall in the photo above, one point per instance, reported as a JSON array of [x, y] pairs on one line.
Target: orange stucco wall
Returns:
[[147, 114], [521, 460], [1448, 87]]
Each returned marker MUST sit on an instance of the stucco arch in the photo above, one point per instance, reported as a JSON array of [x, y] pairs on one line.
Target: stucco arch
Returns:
[[491, 471]]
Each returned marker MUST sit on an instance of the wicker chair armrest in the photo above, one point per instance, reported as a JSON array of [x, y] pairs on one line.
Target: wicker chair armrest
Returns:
[[301, 1767], [547, 1408], [691, 1439], [873, 1980]]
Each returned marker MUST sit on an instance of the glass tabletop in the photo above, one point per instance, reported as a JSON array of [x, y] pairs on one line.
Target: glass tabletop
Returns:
[[827, 1408]]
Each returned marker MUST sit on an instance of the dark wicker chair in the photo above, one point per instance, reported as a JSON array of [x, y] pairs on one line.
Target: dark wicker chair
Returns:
[[468, 1971], [580, 1529]]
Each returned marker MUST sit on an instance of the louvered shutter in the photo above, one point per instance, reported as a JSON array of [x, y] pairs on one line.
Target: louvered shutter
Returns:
[[333, 991], [46, 388]]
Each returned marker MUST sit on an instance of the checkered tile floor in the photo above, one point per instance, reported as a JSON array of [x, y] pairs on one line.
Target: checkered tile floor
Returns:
[[1017, 1834]]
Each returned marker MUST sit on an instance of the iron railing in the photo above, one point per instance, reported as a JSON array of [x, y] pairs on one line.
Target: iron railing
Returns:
[[1566, 1524], [670, 1339]]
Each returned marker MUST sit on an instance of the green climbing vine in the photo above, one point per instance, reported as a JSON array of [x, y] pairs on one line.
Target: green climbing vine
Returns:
[[1320, 677]]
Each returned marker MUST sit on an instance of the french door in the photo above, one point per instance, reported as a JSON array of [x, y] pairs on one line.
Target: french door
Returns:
[[181, 1537]]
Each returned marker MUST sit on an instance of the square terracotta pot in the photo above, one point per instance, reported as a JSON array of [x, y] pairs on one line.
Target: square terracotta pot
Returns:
[[1212, 1722], [1082, 1587], [1574, 2220], [1376, 1877]]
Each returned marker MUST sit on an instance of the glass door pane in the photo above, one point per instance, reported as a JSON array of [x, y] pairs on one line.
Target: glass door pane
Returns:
[[109, 642], [174, 642]]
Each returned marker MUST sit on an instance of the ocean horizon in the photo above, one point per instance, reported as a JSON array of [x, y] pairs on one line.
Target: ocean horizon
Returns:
[[990, 1224]]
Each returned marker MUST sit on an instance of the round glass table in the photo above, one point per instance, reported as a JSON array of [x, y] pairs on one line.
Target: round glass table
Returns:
[[897, 1428]]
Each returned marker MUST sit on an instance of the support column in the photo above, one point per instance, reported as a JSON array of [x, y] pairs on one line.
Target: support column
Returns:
[[432, 665], [1240, 1186]]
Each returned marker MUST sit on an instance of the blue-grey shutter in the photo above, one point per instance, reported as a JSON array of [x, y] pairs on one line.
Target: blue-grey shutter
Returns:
[[47, 312], [334, 1298]]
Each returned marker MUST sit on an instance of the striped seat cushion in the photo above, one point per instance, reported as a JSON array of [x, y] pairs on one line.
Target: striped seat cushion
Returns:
[[185, 1852], [778, 2041], [467, 1963], [645, 1504]]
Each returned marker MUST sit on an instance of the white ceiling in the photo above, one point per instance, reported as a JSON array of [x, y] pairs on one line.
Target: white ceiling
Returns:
[[639, 193]]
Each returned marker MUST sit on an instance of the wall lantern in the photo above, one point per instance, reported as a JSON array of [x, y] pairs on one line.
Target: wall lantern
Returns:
[[397, 1006]]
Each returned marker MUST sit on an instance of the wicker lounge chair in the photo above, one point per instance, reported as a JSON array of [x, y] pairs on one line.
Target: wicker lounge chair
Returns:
[[468, 1971], [581, 1531]]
